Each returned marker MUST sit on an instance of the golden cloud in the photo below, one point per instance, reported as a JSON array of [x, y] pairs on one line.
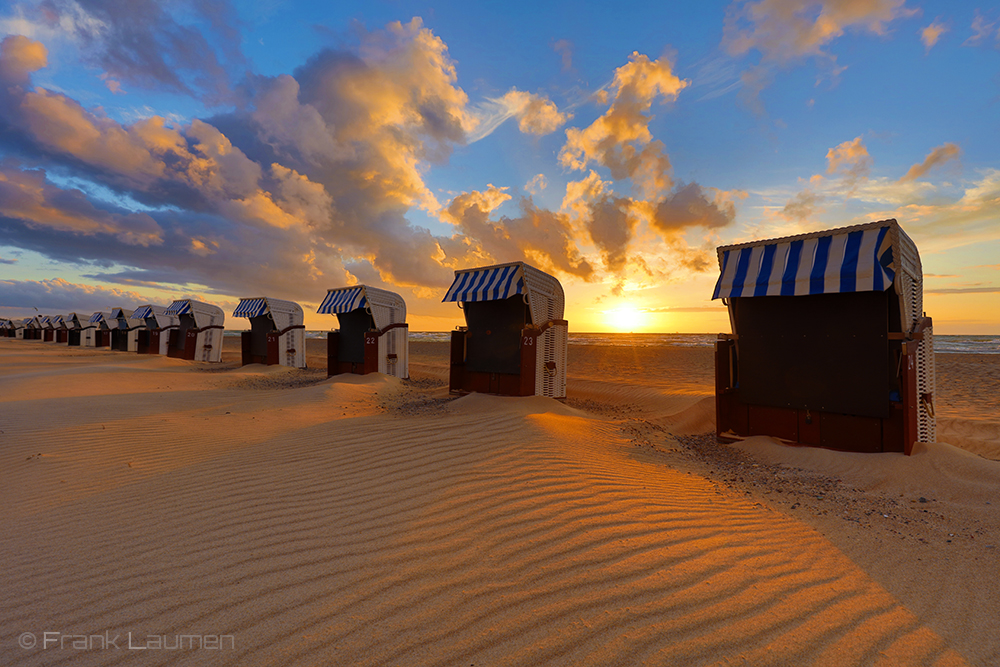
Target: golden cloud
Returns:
[[29, 197], [535, 114], [939, 155], [850, 160], [20, 56], [544, 237], [802, 206], [620, 139], [932, 33], [784, 30]]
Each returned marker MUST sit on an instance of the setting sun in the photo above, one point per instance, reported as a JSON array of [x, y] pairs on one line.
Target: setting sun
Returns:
[[626, 318]]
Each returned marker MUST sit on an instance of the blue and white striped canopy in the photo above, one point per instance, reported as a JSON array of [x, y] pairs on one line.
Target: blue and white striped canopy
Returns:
[[343, 300], [56, 319], [142, 312], [44, 319], [182, 307], [489, 284], [251, 308], [853, 261], [96, 317]]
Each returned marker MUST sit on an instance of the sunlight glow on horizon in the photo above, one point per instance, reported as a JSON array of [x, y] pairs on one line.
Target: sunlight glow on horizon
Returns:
[[627, 317]]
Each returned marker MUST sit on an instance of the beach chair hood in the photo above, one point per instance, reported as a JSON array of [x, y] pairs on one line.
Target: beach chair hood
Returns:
[[862, 258], [158, 315], [102, 320], [284, 313], [124, 318], [386, 308], [204, 314], [542, 292]]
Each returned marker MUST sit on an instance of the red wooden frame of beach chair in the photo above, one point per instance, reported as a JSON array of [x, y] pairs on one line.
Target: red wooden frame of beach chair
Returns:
[[462, 381], [370, 364], [272, 357], [898, 432]]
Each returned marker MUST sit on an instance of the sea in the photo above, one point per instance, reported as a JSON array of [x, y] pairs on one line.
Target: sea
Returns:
[[942, 344]]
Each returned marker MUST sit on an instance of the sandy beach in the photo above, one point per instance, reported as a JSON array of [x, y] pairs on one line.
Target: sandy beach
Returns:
[[270, 516]]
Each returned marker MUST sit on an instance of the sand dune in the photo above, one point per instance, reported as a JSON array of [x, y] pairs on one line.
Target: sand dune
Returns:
[[371, 521]]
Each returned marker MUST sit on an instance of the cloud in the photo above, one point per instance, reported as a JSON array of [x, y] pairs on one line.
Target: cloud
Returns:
[[786, 30], [543, 237], [620, 139], [802, 206], [939, 155], [948, 222], [309, 181], [614, 223], [752, 83], [982, 31], [848, 178], [19, 57], [692, 205], [27, 196], [7, 261], [849, 160], [932, 33], [537, 183], [337, 153], [114, 86], [564, 48], [535, 114], [611, 226], [59, 295], [141, 43], [964, 290], [155, 161]]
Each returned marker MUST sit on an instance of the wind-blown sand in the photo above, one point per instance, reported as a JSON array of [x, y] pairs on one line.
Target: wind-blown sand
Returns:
[[372, 521]]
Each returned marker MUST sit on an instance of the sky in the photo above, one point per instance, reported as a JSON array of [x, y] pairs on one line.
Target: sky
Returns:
[[151, 151]]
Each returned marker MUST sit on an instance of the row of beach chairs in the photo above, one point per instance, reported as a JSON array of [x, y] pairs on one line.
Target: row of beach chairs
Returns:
[[829, 347]]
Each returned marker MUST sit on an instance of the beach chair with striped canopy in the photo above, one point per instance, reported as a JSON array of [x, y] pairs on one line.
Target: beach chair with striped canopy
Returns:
[[277, 334], [124, 333], [26, 328], [99, 333], [48, 329], [75, 324], [60, 332], [153, 330], [373, 335], [830, 346], [32, 328], [199, 332], [515, 339]]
